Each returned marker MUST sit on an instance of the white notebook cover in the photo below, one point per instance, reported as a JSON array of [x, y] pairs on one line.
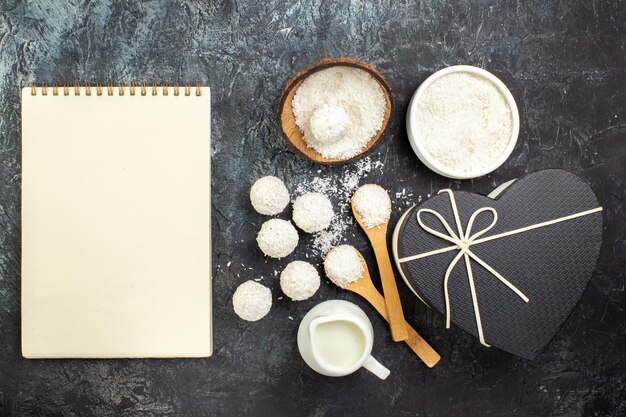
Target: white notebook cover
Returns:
[[116, 238]]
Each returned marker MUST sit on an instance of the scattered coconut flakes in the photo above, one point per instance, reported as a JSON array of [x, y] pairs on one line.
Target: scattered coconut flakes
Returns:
[[339, 188], [404, 199]]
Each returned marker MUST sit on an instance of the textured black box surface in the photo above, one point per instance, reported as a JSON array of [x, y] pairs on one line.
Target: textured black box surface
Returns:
[[551, 265]]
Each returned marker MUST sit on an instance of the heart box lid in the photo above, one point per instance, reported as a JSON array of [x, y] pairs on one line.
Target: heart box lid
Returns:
[[507, 268]]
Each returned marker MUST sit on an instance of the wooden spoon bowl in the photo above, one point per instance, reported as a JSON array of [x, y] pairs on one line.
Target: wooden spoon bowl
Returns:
[[290, 130]]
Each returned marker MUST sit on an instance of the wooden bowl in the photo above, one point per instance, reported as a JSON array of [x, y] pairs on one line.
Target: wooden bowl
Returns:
[[290, 130]]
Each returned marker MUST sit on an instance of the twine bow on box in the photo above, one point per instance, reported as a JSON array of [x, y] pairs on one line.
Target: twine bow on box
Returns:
[[463, 240]]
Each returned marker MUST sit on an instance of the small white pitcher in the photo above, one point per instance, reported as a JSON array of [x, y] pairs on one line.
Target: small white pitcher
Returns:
[[351, 346]]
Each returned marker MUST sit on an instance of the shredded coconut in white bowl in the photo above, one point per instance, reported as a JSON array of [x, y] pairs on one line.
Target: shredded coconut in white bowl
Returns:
[[372, 202], [343, 265], [299, 280], [252, 301], [312, 212], [277, 238], [269, 196], [357, 93], [463, 122]]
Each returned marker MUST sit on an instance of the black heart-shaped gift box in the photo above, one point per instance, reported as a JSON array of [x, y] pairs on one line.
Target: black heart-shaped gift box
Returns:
[[537, 239]]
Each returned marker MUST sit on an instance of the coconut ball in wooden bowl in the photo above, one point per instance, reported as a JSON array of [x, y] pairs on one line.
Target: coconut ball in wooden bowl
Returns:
[[335, 111]]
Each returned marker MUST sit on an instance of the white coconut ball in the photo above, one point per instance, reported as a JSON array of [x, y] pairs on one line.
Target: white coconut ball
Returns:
[[269, 196], [372, 202], [277, 238], [343, 265], [252, 301], [299, 280], [312, 212], [329, 123]]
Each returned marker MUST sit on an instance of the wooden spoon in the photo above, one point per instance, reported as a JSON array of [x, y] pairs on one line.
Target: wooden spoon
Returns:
[[378, 238], [365, 288], [291, 132]]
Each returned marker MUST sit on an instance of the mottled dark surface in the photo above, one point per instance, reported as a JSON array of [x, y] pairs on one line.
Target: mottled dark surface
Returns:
[[564, 63]]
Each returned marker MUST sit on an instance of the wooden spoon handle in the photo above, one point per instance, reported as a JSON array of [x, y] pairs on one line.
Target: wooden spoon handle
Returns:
[[390, 289], [421, 347]]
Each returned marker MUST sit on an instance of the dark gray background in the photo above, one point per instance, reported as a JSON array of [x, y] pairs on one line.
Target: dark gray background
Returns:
[[564, 64]]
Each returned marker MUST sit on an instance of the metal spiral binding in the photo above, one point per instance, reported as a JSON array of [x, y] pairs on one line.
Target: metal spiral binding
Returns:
[[110, 89]]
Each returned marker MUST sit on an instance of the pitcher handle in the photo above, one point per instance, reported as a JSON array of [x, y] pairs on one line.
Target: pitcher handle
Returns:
[[375, 367]]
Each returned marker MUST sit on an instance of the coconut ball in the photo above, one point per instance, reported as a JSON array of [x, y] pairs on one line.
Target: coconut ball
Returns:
[[299, 280], [252, 301], [329, 123], [372, 202], [343, 265], [269, 196], [277, 238], [312, 212]]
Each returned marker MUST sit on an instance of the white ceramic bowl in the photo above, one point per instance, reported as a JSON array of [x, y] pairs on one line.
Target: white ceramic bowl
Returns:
[[416, 141]]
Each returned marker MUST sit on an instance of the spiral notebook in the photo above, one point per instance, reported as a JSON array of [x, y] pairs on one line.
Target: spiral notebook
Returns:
[[116, 222]]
